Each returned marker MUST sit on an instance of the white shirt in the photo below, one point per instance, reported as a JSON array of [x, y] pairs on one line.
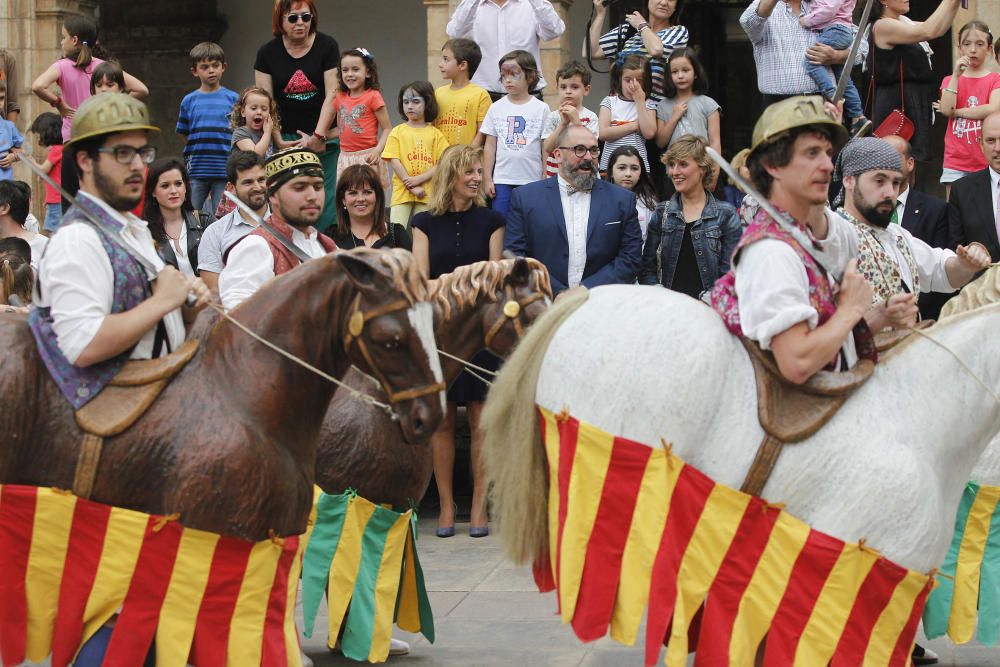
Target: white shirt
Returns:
[[31, 223], [930, 261], [994, 189], [37, 243], [220, 236], [518, 129], [576, 213], [78, 284], [251, 264], [901, 204], [180, 249], [773, 289], [645, 214], [518, 24]]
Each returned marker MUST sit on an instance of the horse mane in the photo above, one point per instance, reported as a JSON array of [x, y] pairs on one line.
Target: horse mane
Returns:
[[464, 286], [406, 276], [983, 291]]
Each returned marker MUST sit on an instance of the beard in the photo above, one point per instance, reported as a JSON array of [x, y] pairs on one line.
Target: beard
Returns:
[[871, 214], [582, 176], [108, 191], [296, 220]]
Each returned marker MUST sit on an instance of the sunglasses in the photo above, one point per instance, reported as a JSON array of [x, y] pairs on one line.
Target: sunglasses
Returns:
[[305, 16]]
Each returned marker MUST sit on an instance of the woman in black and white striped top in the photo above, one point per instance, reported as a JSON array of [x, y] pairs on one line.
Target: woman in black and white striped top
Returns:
[[653, 31]]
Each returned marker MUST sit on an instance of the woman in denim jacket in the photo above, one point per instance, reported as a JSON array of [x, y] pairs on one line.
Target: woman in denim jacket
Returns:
[[691, 237]]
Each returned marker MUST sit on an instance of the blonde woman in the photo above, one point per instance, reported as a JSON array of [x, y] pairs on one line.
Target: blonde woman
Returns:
[[459, 229]]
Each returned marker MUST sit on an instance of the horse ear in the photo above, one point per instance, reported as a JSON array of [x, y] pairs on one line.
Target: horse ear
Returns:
[[520, 274], [359, 268]]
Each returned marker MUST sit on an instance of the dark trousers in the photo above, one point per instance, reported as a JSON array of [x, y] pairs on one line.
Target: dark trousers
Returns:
[[771, 99]]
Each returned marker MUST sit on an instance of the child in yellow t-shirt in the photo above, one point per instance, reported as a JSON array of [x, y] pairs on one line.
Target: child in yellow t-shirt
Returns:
[[462, 104], [413, 150]]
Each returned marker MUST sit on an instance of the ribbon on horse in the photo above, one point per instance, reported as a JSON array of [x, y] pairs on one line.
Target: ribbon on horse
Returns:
[[632, 526], [970, 593], [67, 565], [364, 557]]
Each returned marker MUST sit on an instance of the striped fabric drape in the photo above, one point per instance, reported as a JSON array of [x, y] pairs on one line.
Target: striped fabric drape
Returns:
[[632, 526], [969, 595], [363, 557], [67, 565]]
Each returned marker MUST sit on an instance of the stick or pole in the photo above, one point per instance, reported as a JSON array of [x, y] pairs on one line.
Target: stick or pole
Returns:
[[855, 45]]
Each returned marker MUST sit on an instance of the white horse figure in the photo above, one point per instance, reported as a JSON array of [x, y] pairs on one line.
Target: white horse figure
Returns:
[[650, 364]]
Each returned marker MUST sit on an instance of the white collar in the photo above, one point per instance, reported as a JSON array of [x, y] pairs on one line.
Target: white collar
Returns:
[[994, 177], [903, 196], [124, 217], [567, 189]]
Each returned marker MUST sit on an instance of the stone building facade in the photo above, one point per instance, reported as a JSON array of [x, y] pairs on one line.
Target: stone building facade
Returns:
[[151, 39]]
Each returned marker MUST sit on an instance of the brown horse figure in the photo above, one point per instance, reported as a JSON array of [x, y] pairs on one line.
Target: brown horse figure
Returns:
[[230, 444], [360, 447]]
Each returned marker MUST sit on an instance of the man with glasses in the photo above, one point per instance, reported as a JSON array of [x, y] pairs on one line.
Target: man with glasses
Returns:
[[585, 230], [97, 305]]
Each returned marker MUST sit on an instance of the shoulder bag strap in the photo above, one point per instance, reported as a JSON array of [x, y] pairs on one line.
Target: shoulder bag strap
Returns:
[[902, 94]]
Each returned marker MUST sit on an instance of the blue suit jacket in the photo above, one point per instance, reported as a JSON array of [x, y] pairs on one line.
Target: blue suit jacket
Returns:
[[536, 228]]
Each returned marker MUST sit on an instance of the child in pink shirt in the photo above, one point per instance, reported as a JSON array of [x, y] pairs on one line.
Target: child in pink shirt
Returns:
[[361, 113]]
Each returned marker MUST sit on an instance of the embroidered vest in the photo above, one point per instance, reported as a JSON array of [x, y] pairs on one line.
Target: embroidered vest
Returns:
[[131, 288], [821, 297], [284, 260], [878, 267]]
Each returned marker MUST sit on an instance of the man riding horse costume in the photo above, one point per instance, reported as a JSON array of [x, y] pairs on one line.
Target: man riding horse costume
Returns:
[[148, 511], [635, 502]]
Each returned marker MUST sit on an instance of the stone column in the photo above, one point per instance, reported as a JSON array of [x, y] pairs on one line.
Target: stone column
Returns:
[[555, 52], [438, 13]]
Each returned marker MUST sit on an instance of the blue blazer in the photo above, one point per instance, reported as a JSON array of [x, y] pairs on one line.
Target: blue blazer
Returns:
[[536, 228]]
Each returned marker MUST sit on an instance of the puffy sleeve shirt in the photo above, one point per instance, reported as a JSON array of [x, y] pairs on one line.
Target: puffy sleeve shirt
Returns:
[[78, 285], [251, 264], [773, 289]]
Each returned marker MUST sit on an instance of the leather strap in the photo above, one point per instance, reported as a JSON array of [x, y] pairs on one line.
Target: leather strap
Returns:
[[511, 306], [762, 466], [86, 465]]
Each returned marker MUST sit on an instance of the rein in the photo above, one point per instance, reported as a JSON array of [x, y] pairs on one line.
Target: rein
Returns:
[[356, 324], [511, 313]]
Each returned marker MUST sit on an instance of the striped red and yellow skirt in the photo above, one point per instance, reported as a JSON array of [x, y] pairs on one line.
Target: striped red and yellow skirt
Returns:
[[68, 566], [633, 527]]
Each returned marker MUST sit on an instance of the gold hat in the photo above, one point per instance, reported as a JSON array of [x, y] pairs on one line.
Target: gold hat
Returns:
[[289, 163], [109, 113], [795, 112]]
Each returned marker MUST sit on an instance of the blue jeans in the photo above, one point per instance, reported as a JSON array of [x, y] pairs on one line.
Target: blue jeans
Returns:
[[201, 188], [53, 217], [501, 203], [840, 37]]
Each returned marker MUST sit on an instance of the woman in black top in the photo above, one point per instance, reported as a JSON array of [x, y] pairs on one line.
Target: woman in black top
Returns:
[[174, 224], [457, 230], [902, 70], [362, 218], [299, 68]]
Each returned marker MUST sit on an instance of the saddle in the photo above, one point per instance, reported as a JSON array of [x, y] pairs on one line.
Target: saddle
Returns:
[[790, 413], [120, 404]]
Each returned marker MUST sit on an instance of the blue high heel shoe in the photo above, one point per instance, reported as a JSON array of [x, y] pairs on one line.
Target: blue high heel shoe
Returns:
[[479, 531]]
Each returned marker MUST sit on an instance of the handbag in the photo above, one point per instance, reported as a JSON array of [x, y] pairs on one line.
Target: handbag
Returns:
[[896, 123]]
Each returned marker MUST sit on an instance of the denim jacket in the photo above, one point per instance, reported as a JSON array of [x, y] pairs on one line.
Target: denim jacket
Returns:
[[714, 236]]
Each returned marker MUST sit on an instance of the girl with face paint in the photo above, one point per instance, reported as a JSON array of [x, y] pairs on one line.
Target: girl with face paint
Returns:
[[413, 150]]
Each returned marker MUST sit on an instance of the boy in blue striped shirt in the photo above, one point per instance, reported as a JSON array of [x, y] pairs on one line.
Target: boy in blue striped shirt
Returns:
[[203, 120]]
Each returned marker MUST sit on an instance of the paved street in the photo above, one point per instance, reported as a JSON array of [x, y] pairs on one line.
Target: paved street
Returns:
[[488, 612]]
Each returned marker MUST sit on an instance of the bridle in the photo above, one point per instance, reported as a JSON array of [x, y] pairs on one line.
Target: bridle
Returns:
[[512, 310], [356, 326]]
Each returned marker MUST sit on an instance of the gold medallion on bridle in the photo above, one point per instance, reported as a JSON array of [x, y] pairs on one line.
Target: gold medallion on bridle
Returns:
[[512, 309], [356, 324]]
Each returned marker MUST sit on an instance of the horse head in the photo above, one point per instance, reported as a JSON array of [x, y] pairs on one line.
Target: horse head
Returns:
[[388, 333], [523, 295]]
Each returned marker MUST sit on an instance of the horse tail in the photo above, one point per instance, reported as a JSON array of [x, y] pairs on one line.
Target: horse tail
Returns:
[[515, 458]]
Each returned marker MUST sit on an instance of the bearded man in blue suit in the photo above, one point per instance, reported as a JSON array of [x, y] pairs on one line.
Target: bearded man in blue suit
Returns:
[[584, 230]]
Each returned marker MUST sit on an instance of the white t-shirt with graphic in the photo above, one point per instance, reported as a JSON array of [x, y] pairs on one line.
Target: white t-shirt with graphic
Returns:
[[518, 129]]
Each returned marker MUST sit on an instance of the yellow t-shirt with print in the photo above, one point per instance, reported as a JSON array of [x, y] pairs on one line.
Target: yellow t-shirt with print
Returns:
[[460, 112], [419, 149]]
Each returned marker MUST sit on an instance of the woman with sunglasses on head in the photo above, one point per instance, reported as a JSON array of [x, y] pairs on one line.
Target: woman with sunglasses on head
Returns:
[[299, 69]]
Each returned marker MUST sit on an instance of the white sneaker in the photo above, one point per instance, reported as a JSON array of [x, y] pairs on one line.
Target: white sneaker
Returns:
[[398, 647], [306, 661]]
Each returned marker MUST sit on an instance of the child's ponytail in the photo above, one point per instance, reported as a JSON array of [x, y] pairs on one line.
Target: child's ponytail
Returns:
[[16, 277], [85, 31]]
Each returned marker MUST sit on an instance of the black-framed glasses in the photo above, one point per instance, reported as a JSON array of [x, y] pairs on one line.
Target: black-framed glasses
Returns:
[[305, 16], [580, 150], [125, 154]]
